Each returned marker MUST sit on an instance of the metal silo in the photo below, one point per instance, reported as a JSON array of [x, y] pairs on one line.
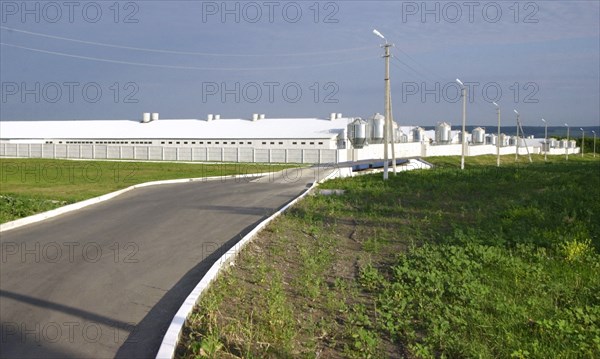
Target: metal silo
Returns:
[[564, 144], [478, 136], [377, 123], [418, 134], [357, 133], [572, 144], [443, 133]]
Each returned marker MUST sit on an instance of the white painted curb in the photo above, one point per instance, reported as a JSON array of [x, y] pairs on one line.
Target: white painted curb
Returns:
[[88, 202], [171, 338]]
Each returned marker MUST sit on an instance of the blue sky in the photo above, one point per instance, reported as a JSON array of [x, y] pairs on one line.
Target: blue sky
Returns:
[[300, 59]]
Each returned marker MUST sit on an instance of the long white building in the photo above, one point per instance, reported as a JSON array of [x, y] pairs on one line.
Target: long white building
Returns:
[[259, 139]]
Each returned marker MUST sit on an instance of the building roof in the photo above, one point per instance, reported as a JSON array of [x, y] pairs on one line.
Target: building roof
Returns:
[[290, 128]]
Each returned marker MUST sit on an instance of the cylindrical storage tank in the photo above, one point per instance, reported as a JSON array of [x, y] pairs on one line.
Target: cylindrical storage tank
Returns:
[[493, 139], [504, 140], [443, 133], [403, 137], [154, 116], [478, 136], [564, 144], [460, 137], [254, 117], [545, 145], [357, 133], [573, 144], [513, 141], [377, 128], [217, 117], [332, 116], [553, 143], [261, 116], [209, 117], [418, 134], [146, 117], [339, 115]]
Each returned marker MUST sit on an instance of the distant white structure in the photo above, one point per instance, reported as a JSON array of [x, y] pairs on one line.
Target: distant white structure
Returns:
[[257, 139]]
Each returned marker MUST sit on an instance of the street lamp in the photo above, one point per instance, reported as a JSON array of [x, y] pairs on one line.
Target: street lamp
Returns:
[[546, 145], [464, 121], [498, 138], [517, 140], [567, 144], [387, 97], [594, 132], [582, 140]]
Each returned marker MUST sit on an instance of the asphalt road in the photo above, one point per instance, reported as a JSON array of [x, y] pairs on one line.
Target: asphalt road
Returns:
[[105, 281]]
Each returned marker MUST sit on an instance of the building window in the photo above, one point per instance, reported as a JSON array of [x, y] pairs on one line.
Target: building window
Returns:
[[320, 143], [294, 143], [201, 142], [216, 142], [272, 143], [249, 143], [312, 143], [185, 143], [281, 143], [302, 143], [225, 142], [210, 143], [264, 143]]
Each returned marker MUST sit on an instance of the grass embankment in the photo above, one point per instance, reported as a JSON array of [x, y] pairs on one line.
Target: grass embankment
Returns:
[[30, 186], [485, 262]]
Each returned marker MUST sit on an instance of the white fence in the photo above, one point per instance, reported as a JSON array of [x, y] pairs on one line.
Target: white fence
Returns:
[[160, 153]]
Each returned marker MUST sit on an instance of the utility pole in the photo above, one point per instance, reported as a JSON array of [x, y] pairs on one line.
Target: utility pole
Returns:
[[393, 142], [567, 144], [546, 144], [464, 122], [498, 138], [388, 112], [517, 140]]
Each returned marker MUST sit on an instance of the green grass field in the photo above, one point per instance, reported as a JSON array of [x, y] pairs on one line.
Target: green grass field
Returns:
[[487, 262], [29, 186]]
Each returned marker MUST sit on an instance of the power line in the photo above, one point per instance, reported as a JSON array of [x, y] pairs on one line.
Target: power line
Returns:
[[89, 58], [182, 52]]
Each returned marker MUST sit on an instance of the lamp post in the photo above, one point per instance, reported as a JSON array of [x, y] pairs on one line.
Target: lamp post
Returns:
[[388, 111], [567, 144], [594, 132], [517, 140], [464, 121], [582, 140], [498, 138], [546, 146]]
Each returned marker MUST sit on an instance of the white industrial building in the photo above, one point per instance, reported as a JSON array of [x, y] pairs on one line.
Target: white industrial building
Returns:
[[259, 139]]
